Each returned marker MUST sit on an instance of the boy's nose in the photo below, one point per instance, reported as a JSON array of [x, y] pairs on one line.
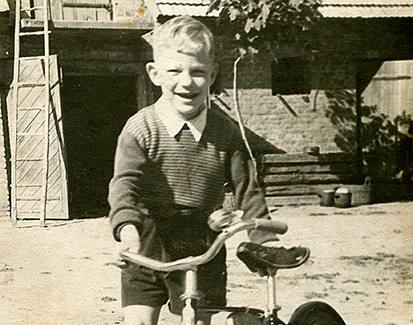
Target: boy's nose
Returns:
[[185, 80]]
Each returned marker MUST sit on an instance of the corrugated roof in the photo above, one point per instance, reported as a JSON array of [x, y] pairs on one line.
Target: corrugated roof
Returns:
[[196, 8], [366, 8], [328, 8]]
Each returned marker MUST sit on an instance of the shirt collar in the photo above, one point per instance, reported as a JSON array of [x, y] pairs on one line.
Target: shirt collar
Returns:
[[174, 123]]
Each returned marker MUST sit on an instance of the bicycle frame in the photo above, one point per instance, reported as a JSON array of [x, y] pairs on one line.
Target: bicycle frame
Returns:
[[268, 317], [190, 298], [190, 264]]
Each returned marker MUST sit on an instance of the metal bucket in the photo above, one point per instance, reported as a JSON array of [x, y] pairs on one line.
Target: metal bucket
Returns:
[[342, 198], [326, 198]]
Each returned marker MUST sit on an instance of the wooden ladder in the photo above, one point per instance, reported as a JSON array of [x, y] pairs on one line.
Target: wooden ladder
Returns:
[[30, 123]]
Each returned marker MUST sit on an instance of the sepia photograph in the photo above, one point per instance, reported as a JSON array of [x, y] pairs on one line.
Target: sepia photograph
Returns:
[[206, 162]]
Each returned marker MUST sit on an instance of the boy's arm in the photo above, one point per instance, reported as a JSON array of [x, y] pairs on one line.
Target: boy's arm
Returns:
[[249, 196], [125, 200]]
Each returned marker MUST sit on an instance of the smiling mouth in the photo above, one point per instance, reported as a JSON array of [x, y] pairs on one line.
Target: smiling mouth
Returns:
[[187, 96]]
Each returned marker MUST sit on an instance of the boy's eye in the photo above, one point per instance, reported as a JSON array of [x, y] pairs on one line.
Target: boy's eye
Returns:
[[198, 73], [173, 71]]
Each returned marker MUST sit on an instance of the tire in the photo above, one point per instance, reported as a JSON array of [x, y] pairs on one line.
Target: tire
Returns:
[[316, 313]]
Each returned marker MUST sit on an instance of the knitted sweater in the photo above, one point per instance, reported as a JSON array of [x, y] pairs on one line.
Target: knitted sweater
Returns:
[[154, 169]]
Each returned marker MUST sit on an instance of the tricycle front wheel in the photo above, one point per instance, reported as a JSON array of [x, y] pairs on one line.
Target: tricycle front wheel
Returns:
[[316, 313]]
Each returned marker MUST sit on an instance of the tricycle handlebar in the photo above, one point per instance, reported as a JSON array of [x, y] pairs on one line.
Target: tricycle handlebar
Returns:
[[192, 262]]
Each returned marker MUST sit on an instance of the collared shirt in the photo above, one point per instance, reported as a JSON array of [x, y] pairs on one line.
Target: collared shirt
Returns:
[[175, 123], [152, 170]]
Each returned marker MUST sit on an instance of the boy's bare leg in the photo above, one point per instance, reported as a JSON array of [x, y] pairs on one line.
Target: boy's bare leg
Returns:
[[141, 315]]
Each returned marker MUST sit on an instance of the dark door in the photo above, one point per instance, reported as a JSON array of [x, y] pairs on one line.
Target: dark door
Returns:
[[95, 110]]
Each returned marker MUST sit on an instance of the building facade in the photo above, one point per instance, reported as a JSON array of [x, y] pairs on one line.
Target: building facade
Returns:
[[101, 56]]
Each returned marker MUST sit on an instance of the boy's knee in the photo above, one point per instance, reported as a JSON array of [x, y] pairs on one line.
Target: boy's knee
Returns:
[[141, 315]]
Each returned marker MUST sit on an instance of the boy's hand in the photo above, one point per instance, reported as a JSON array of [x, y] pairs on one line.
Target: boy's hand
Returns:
[[222, 218], [261, 237], [129, 237]]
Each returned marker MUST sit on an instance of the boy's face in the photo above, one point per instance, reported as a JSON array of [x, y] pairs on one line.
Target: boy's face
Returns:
[[184, 80]]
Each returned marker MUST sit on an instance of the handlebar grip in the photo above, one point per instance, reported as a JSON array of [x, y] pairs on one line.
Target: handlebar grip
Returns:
[[278, 227]]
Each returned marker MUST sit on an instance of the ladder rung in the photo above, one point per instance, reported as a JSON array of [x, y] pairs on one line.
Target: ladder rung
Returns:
[[36, 84], [37, 199], [87, 5], [31, 57], [29, 211], [29, 159], [31, 84], [31, 134], [31, 9], [32, 33], [30, 108], [29, 185], [27, 199]]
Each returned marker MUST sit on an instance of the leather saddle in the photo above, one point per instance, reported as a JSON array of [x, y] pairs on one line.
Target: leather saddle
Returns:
[[267, 260]]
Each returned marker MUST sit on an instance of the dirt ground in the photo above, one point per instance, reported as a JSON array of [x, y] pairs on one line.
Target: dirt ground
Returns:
[[361, 264]]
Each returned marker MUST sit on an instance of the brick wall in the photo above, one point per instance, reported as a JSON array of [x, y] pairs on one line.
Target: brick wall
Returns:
[[268, 116]]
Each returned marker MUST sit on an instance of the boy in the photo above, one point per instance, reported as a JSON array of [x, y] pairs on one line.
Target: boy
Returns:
[[172, 161]]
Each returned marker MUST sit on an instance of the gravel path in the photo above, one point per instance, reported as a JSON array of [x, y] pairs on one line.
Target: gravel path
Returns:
[[361, 264]]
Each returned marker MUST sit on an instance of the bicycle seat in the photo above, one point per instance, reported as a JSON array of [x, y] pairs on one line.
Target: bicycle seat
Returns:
[[261, 258]]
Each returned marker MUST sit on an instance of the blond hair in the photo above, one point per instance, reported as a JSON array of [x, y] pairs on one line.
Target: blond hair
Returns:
[[185, 34]]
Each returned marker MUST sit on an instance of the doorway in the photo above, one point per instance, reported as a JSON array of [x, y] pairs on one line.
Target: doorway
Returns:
[[95, 108]]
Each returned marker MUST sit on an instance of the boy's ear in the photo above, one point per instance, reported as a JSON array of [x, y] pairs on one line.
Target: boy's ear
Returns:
[[153, 73], [214, 73]]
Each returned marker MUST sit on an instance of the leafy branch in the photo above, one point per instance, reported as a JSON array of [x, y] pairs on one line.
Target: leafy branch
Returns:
[[260, 25], [380, 138]]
